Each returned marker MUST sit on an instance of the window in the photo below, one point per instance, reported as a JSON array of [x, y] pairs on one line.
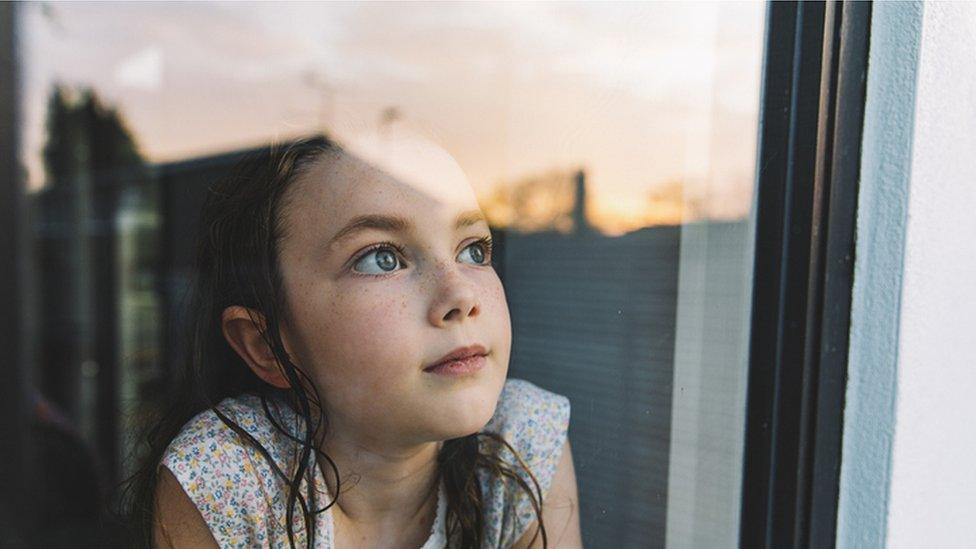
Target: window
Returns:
[[612, 146]]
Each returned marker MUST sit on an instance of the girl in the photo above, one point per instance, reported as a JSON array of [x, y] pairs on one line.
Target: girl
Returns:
[[346, 380]]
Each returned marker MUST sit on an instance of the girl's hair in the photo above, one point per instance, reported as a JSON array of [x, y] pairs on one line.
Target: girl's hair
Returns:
[[237, 263]]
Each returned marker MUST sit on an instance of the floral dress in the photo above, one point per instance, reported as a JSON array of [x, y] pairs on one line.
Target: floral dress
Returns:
[[243, 501]]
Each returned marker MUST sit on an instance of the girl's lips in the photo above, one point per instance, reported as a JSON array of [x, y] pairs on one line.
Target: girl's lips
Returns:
[[461, 353], [459, 367]]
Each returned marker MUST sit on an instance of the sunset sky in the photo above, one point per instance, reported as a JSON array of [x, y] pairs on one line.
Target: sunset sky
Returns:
[[647, 98]]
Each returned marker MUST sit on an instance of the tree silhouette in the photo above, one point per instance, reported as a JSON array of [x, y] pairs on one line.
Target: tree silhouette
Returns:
[[85, 135], [90, 160], [536, 203]]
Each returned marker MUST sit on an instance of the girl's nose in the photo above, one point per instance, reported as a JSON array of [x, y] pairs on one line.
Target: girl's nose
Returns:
[[455, 298]]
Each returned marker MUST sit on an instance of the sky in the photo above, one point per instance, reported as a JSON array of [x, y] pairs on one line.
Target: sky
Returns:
[[657, 102]]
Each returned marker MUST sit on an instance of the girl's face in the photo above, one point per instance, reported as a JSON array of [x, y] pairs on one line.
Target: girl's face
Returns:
[[374, 300]]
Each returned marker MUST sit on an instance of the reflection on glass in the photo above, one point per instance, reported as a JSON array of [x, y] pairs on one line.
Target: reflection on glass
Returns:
[[612, 147]]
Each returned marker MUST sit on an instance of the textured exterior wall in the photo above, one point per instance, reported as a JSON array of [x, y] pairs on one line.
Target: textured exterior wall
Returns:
[[933, 479], [908, 478], [875, 306]]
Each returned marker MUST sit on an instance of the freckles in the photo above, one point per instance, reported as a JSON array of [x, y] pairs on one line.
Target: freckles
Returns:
[[495, 292]]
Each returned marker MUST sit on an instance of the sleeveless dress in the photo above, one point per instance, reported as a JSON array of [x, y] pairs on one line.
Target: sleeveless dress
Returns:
[[243, 501]]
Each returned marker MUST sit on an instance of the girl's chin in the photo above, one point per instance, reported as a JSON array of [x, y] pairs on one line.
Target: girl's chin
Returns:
[[464, 408], [463, 418]]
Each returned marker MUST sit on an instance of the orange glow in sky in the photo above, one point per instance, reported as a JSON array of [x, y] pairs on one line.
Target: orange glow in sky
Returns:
[[658, 103]]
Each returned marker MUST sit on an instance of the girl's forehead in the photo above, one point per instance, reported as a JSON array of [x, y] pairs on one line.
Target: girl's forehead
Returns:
[[421, 188], [344, 188]]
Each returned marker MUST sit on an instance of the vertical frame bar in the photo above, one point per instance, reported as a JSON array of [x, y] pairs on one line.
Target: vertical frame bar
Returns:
[[842, 154], [812, 114], [787, 147], [14, 394]]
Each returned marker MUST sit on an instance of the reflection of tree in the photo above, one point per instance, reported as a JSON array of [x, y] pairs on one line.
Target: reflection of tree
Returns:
[[536, 203], [671, 203], [557, 201], [85, 135], [92, 166]]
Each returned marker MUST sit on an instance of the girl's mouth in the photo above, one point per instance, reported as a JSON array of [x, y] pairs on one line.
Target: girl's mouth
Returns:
[[461, 353], [459, 367]]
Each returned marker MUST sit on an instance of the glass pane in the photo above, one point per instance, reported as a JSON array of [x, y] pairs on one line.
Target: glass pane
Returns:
[[611, 146]]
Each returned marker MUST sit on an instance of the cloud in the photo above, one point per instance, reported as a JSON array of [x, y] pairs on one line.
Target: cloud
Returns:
[[143, 70]]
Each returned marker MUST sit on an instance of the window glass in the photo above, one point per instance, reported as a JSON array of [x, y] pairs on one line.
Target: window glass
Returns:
[[611, 145]]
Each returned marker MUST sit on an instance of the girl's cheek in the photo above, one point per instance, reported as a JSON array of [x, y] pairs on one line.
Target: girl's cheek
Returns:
[[495, 293], [374, 303], [367, 321]]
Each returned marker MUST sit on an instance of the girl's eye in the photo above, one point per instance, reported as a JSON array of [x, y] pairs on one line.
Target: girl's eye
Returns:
[[478, 252], [378, 261]]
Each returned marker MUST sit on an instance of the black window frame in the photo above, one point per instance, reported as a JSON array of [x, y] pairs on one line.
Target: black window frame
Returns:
[[815, 71], [15, 411]]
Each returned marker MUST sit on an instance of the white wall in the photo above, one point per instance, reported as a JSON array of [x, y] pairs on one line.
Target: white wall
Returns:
[[933, 479], [908, 477]]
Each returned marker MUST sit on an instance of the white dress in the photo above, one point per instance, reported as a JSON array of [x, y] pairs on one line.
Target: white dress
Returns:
[[243, 501]]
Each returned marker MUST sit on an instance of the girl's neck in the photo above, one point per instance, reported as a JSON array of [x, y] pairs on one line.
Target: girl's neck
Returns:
[[382, 490]]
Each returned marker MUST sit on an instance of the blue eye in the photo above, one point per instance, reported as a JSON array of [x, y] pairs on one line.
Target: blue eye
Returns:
[[478, 252], [378, 261]]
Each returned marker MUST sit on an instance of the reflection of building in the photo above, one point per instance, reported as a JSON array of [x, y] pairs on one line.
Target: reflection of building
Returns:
[[593, 319], [79, 291]]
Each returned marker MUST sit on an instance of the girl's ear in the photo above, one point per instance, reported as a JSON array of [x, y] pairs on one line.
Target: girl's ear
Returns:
[[243, 329]]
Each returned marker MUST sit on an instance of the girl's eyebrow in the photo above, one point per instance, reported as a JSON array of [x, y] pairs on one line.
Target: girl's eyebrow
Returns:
[[395, 224], [371, 221], [468, 218]]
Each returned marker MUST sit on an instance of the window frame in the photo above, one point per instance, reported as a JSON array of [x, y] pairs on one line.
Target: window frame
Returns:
[[15, 409], [811, 122]]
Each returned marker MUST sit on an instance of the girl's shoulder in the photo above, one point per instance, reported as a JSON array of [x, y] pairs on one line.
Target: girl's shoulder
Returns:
[[532, 419], [233, 486], [211, 434], [535, 422]]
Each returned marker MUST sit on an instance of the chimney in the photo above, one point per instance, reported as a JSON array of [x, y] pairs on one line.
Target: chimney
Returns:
[[580, 225]]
